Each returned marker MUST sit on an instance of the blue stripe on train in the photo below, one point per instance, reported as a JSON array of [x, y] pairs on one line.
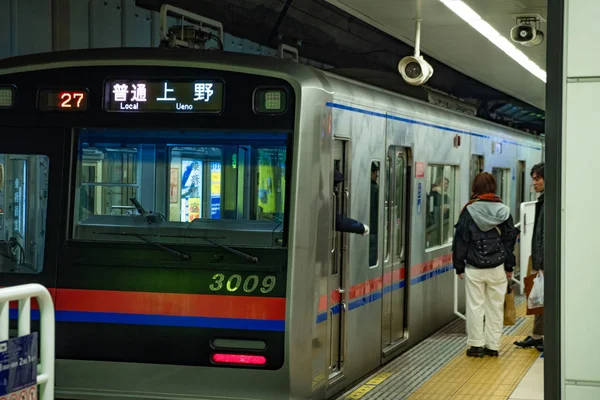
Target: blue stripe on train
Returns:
[[415, 122], [371, 297], [163, 320]]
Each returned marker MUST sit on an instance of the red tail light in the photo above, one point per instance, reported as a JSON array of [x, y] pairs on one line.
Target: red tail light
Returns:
[[238, 359]]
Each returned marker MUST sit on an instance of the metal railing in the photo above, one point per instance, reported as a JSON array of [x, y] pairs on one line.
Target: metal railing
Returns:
[[23, 294]]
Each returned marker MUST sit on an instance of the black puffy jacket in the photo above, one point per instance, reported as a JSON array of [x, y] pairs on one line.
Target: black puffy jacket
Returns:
[[484, 248], [537, 241]]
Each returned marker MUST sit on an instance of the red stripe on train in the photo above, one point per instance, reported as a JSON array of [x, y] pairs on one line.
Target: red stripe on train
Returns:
[[364, 288], [430, 265], [188, 305], [389, 278]]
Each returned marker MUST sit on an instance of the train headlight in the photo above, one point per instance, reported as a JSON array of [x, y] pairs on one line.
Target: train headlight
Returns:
[[7, 96], [270, 101]]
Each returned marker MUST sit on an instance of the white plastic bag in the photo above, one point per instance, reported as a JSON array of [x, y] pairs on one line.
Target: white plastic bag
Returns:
[[536, 296]]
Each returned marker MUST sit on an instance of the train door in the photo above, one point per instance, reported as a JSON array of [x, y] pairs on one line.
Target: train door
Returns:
[[395, 271], [337, 304]]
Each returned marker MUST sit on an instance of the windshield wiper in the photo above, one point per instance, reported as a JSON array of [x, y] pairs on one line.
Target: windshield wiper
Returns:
[[231, 250], [177, 253]]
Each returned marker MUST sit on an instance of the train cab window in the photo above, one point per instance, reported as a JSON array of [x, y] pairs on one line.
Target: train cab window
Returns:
[[108, 178], [374, 214], [168, 184], [196, 190], [195, 183], [23, 210], [441, 205]]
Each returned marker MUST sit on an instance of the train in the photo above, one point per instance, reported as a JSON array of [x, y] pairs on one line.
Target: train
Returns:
[[179, 205]]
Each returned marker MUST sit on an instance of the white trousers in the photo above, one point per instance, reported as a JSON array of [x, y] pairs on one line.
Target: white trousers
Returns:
[[485, 297]]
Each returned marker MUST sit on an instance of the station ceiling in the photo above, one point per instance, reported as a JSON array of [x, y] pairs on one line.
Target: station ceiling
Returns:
[[365, 39]]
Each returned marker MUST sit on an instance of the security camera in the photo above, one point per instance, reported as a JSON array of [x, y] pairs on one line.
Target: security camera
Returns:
[[526, 32], [415, 70]]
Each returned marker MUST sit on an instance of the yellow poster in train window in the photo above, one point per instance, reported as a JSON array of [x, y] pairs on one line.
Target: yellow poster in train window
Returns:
[[194, 208], [266, 195], [215, 183]]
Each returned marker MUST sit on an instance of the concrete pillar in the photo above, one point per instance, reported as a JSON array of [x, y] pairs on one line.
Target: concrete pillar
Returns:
[[572, 293]]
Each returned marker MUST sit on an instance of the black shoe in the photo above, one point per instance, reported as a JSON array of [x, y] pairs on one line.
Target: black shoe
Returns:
[[491, 353], [540, 348], [530, 342], [475, 351]]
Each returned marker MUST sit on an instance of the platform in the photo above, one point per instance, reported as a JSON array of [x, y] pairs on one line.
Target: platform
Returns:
[[438, 369]]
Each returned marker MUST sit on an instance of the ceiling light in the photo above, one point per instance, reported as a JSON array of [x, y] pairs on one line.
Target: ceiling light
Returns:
[[481, 26]]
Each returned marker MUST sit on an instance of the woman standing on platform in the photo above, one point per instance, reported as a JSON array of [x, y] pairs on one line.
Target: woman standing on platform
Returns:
[[483, 255]]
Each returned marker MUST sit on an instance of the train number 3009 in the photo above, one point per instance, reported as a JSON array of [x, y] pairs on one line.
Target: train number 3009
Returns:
[[250, 283]]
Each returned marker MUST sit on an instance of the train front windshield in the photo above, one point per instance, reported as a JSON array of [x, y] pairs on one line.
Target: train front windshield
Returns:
[[153, 196], [181, 186]]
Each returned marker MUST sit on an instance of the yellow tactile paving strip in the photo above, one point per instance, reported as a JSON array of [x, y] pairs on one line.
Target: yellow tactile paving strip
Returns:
[[493, 378]]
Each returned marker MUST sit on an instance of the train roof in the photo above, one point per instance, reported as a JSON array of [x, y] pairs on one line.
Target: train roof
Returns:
[[180, 57], [195, 58]]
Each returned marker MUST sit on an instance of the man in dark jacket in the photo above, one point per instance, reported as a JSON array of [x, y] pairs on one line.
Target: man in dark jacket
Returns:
[[343, 223], [537, 256]]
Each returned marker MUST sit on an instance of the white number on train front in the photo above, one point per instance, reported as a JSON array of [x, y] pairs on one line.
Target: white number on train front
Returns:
[[250, 283]]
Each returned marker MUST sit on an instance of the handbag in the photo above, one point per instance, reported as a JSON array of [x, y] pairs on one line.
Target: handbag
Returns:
[[529, 280], [510, 313]]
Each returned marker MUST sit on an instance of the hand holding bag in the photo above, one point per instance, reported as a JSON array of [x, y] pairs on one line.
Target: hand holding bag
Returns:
[[510, 313], [536, 305]]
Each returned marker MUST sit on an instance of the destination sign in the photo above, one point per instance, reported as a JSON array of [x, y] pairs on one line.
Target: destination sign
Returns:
[[190, 96]]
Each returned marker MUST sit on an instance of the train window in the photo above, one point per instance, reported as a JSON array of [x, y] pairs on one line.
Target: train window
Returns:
[[476, 168], [441, 204], [520, 189], [374, 214], [23, 210], [195, 183], [502, 176], [108, 178], [131, 183], [195, 189], [387, 210]]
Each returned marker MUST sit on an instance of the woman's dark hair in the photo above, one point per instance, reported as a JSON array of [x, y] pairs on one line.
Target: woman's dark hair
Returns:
[[483, 183], [538, 169]]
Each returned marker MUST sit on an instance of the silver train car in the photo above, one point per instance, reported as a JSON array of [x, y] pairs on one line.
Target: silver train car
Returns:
[[137, 321]]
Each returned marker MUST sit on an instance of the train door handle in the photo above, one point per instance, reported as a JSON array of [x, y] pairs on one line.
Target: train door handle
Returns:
[[340, 290]]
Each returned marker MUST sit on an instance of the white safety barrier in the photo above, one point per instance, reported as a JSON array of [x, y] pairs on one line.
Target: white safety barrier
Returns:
[[527, 219], [23, 294], [518, 262], [456, 312]]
